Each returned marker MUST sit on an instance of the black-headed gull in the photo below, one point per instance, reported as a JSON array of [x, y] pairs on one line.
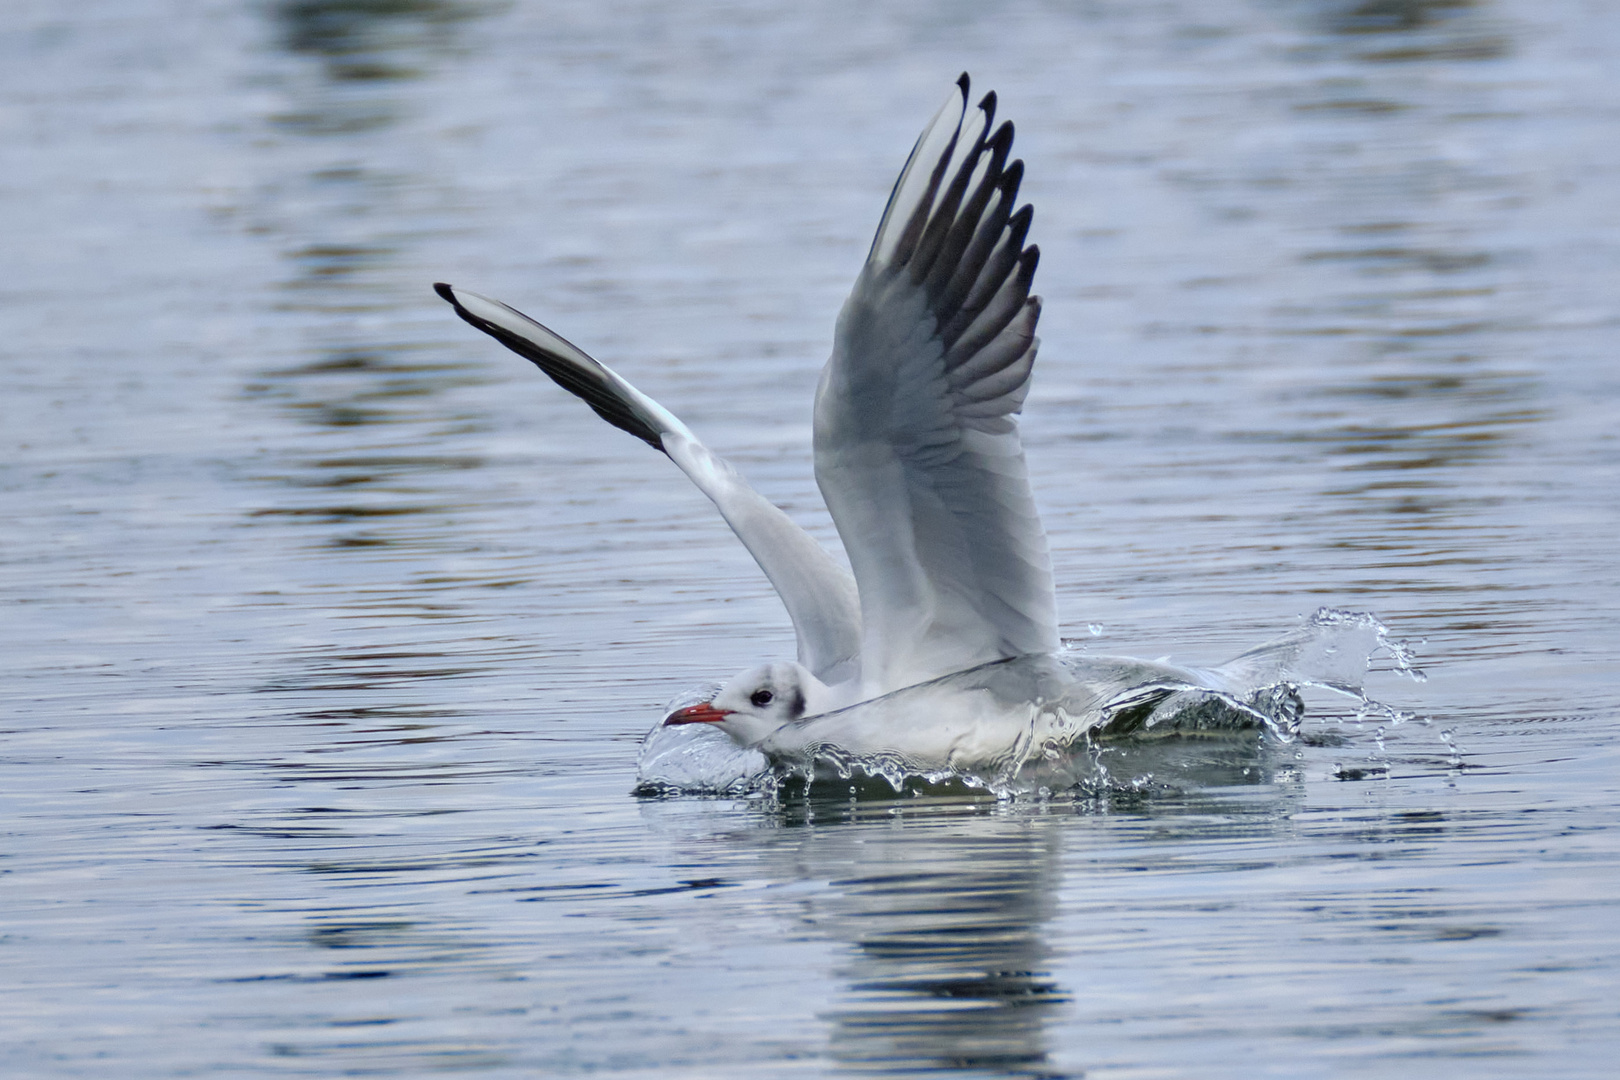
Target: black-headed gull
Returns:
[[950, 616]]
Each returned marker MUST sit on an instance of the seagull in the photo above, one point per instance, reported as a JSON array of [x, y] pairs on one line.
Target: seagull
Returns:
[[941, 649]]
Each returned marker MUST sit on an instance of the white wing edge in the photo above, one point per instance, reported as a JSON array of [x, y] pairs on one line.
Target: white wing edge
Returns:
[[935, 148], [818, 593]]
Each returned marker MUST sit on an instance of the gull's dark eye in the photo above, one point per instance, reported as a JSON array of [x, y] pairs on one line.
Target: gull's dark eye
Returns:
[[762, 698]]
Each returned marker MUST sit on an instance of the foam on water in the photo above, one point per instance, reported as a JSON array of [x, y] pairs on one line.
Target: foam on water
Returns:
[[1151, 731]]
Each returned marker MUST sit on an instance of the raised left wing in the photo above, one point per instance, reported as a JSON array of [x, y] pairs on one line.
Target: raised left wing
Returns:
[[917, 452], [817, 592]]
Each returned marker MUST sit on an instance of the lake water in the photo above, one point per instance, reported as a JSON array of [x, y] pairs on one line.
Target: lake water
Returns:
[[331, 630]]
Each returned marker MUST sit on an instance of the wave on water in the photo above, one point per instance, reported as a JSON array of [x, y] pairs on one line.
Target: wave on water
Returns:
[[1115, 724]]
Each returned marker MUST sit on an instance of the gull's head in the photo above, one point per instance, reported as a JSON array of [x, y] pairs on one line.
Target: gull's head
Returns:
[[757, 702]]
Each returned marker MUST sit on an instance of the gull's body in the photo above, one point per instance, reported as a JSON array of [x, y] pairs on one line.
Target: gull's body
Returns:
[[942, 649], [992, 719]]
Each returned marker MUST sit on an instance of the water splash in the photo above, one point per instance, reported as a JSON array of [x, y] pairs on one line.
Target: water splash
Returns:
[[696, 759], [1115, 724]]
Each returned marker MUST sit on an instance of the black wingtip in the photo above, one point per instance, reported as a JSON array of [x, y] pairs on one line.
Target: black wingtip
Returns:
[[567, 365], [1018, 225], [965, 83], [1001, 143], [1011, 177]]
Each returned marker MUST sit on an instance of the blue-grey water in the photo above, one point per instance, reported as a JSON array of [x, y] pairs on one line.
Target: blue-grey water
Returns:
[[330, 630]]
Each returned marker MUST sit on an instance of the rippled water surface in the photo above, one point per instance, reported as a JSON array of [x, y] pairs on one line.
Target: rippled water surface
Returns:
[[331, 630]]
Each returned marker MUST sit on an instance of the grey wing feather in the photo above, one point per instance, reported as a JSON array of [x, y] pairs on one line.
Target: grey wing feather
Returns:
[[917, 450], [818, 593]]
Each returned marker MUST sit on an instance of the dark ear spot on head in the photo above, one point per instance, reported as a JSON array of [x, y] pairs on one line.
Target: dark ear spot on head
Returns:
[[795, 702]]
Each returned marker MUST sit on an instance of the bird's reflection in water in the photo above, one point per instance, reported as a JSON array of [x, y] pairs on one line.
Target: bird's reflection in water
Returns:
[[943, 905]]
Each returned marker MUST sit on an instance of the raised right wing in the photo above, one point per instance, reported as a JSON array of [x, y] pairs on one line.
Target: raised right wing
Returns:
[[818, 593], [917, 450]]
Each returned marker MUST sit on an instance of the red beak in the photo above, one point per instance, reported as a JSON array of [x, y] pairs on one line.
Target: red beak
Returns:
[[705, 713]]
